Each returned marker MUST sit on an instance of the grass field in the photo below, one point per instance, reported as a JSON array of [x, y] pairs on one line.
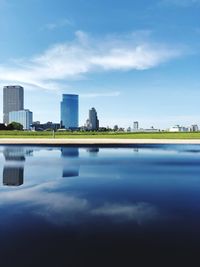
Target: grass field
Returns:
[[161, 135]]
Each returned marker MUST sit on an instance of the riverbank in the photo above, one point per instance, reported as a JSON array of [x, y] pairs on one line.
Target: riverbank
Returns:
[[93, 141], [98, 135]]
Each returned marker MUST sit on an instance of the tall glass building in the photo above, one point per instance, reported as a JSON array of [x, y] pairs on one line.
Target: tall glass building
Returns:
[[13, 100], [69, 111], [24, 117]]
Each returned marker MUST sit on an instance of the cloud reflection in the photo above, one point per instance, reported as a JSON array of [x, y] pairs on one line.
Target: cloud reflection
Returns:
[[60, 208], [140, 212]]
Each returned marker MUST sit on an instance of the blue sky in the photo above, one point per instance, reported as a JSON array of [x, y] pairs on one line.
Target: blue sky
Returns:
[[131, 59]]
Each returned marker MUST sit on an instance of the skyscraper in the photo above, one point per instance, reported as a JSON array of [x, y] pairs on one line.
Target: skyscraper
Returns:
[[93, 122], [135, 126], [13, 100], [69, 111]]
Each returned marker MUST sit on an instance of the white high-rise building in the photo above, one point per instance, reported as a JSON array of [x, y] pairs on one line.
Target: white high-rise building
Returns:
[[135, 126]]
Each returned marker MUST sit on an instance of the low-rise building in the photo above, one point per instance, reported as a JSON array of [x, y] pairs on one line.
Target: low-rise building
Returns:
[[37, 126], [24, 117], [178, 128]]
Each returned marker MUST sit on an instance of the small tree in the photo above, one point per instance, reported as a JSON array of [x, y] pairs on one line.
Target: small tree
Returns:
[[15, 126]]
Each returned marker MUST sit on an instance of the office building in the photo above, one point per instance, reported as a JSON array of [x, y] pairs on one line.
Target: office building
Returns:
[[69, 111], [92, 122], [135, 126], [13, 100], [194, 128], [178, 128], [37, 126], [24, 117]]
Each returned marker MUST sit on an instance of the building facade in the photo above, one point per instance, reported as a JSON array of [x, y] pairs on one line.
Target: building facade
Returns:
[[194, 128], [135, 126], [37, 126], [13, 100], [69, 111], [24, 117], [93, 122]]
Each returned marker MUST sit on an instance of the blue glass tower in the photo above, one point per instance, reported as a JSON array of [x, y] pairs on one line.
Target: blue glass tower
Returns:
[[69, 111]]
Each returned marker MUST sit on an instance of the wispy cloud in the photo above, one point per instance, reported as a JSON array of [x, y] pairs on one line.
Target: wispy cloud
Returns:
[[84, 55], [180, 3], [105, 94], [58, 24]]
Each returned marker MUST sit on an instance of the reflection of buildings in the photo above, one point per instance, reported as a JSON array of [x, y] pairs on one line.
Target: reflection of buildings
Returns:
[[14, 154], [14, 175], [93, 150], [72, 169]]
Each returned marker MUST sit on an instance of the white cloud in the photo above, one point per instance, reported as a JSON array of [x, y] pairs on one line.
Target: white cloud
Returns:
[[106, 94], [58, 24], [84, 55], [61, 208]]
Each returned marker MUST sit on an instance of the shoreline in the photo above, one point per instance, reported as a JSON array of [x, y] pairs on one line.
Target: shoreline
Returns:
[[95, 141]]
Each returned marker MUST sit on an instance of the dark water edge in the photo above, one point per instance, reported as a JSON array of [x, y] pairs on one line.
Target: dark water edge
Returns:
[[135, 205]]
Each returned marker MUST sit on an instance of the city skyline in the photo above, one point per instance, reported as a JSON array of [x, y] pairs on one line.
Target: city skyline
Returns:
[[140, 62]]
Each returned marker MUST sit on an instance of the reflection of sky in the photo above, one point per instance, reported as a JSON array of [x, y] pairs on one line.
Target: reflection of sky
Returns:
[[121, 185], [128, 203]]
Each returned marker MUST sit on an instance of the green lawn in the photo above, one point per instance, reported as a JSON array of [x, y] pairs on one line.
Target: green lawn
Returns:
[[161, 135]]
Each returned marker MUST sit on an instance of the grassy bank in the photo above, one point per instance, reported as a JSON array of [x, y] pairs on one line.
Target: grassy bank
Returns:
[[161, 135]]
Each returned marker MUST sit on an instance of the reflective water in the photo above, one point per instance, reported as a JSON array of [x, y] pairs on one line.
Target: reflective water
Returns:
[[100, 206]]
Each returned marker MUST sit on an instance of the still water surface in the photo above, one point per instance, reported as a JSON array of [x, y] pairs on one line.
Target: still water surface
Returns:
[[100, 206]]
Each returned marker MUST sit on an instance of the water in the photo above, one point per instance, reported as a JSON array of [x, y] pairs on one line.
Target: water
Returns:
[[100, 206]]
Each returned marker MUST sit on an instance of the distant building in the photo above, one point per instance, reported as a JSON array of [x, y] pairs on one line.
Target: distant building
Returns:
[[135, 126], [37, 126], [13, 100], [175, 128], [194, 128], [178, 128], [69, 109], [92, 123], [24, 117]]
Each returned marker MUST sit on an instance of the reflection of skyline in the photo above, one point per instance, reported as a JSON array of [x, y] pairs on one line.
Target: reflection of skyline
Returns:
[[14, 154], [70, 170], [14, 175], [93, 150]]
